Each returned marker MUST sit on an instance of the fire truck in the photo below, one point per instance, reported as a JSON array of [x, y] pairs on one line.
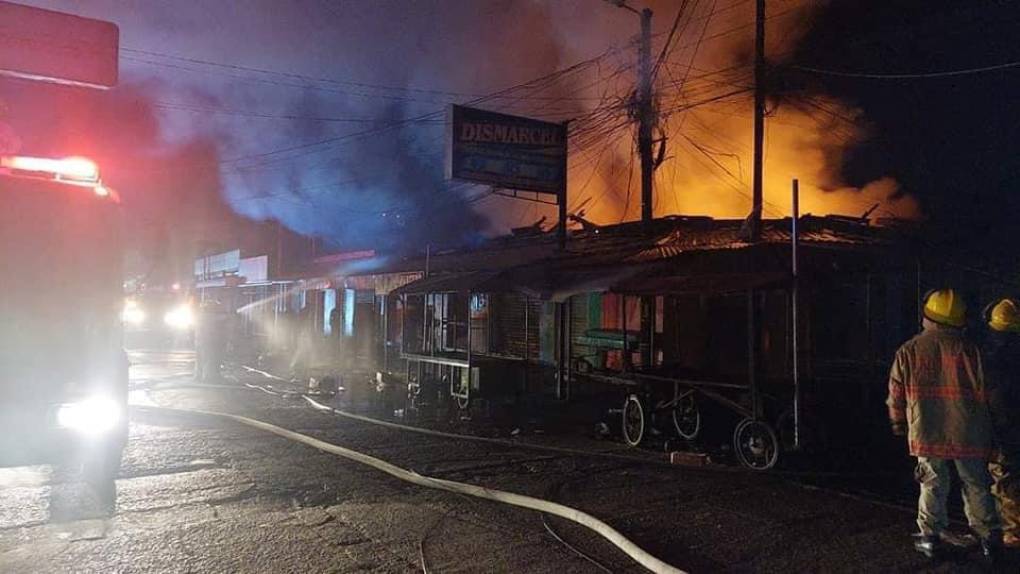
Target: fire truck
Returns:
[[63, 368]]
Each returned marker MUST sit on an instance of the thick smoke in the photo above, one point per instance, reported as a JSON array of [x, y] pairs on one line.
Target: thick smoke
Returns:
[[170, 192], [340, 160], [707, 155]]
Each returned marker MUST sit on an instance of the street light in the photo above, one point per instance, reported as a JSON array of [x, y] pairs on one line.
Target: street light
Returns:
[[622, 4]]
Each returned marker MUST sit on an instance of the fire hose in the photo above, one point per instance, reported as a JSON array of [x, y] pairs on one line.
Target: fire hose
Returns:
[[628, 547]]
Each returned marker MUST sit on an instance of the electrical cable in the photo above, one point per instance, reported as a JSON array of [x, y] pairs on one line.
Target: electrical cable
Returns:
[[681, 10], [303, 77], [907, 76], [531, 84]]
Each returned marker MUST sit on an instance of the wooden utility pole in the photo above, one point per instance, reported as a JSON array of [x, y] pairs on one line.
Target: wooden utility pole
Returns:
[[646, 121], [646, 115], [759, 120], [753, 295]]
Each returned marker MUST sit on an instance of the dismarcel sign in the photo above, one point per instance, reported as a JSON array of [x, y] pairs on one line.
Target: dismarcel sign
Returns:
[[506, 151]]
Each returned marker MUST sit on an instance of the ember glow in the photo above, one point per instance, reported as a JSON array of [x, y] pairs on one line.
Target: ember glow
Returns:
[[705, 109]]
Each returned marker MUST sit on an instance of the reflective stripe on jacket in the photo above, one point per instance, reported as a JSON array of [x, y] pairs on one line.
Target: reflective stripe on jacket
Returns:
[[937, 388]]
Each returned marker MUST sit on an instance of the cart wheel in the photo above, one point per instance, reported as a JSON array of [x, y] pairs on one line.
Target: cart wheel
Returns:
[[463, 403], [633, 420], [755, 445], [687, 418]]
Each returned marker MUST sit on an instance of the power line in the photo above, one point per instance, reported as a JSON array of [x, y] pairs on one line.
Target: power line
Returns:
[[669, 38], [431, 115], [531, 84], [181, 106], [295, 76], [908, 76]]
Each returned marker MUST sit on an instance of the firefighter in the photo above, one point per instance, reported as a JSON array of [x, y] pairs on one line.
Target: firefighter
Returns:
[[1003, 364], [937, 399], [209, 342]]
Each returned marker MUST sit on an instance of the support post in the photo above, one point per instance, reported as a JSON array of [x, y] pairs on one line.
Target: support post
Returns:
[[625, 357], [385, 333], [470, 371], [561, 348], [646, 339], [795, 308], [759, 121], [753, 329], [561, 230], [646, 116]]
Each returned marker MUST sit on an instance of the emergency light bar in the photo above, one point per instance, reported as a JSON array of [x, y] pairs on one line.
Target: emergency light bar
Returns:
[[73, 169]]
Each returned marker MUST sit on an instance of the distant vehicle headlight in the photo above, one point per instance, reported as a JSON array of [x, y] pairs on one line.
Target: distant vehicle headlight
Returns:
[[133, 314], [180, 318], [91, 416]]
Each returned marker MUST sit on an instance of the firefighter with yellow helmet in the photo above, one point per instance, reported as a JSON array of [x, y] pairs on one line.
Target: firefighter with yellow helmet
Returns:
[[1002, 355], [938, 400]]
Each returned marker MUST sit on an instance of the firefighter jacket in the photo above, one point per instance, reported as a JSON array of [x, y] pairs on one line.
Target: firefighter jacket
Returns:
[[937, 389], [1002, 363]]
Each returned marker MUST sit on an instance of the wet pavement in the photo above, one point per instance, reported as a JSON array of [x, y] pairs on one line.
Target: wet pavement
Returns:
[[198, 494]]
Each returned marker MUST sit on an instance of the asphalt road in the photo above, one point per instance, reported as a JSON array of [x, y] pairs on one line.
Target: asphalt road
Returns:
[[203, 495]]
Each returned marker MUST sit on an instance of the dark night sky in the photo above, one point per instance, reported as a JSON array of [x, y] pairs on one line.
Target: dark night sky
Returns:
[[951, 141], [172, 133]]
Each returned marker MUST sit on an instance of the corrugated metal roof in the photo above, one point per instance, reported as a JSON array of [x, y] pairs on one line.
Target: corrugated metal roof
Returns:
[[448, 283], [536, 261]]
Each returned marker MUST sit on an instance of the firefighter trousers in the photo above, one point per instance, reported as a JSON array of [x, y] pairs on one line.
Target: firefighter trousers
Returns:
[[1005, 471], [934, 476]]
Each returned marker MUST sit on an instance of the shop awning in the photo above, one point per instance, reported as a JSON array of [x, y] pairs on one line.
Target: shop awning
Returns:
[[466, 282]]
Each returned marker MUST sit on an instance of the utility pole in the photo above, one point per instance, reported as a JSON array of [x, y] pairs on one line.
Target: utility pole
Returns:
[[645, 107], [646, 115], [646, 121], [753, 295], [759, 120]]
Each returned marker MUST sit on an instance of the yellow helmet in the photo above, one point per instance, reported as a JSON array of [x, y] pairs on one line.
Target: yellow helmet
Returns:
[[946, 307], [1004, 315]]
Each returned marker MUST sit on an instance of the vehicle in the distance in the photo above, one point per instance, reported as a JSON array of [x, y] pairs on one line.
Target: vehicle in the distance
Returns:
[[159, 318], [63, 369]]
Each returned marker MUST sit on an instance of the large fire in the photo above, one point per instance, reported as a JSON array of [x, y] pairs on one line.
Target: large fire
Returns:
[[705, 103]]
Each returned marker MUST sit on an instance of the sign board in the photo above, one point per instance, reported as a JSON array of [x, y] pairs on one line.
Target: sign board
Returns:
[[254, 269], [50, 46], [506, 151], [218, 265]]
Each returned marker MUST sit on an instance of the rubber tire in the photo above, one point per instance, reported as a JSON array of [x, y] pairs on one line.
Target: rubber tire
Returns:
[[765, 431], [633, 402], [689, 436]]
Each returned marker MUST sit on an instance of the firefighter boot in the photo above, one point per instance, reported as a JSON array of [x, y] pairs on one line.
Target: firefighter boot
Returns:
[[930, 546]]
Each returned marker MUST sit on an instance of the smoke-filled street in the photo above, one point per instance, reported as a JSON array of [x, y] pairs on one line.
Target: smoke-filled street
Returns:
[[551, 286], [201, 495]]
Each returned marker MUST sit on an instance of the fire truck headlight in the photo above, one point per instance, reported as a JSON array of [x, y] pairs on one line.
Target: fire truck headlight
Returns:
[[91, 416], [180, 318]]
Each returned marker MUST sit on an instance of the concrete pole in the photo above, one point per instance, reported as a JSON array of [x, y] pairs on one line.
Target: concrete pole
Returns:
[[759, 121], [646, 115]]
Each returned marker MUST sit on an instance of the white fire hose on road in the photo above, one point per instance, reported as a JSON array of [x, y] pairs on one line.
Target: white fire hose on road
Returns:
[[584, 519]]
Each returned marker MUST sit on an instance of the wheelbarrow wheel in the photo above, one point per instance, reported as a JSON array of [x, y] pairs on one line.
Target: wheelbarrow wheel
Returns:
[[755, 445], [687, 418], [633, 420]]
